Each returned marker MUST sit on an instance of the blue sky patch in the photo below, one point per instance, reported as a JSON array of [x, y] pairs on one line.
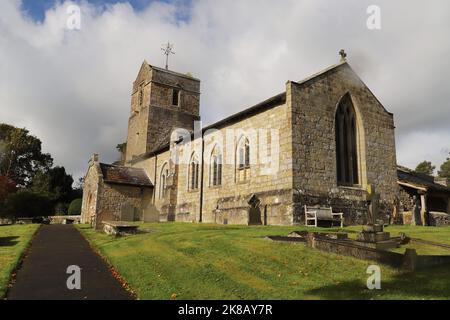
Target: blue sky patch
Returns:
[[36, 8]]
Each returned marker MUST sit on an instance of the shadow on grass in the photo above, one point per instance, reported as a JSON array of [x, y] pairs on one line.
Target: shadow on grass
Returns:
[[432, 283], [8, 241]]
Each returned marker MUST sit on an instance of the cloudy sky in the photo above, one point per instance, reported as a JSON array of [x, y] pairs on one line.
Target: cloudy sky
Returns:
[[71, 88]]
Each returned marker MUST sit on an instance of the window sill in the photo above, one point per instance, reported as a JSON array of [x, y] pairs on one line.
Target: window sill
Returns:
[[354, 187]]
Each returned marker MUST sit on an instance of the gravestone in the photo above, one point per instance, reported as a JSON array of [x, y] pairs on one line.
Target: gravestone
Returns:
[[373, 234], [127, 212], [417, 208]]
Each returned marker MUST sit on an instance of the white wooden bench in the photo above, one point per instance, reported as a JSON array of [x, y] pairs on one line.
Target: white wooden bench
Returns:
[[317, 213]]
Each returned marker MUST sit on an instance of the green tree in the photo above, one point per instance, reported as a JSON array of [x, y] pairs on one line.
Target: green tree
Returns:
[[54, 183], [60, 209], [26, 203], [7, 186], [444, 171], [75, 207], [21, 155], [425, 167]]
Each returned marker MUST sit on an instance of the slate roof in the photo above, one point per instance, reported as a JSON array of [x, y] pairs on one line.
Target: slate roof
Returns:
[[125, 175], [420, 180]]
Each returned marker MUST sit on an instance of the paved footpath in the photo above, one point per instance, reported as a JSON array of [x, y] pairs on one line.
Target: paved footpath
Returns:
[[43, 274]]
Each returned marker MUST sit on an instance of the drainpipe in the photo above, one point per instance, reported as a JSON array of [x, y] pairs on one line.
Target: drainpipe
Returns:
[[201, 181]]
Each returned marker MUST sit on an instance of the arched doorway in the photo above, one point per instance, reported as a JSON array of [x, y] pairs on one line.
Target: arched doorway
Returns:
[[254, 212]]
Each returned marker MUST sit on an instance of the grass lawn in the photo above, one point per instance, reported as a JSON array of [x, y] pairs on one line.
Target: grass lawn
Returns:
[[13, 242], [202, 261]]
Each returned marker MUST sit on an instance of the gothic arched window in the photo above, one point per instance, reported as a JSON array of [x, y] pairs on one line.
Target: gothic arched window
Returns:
[[193, 172], [163, 181], [215, 172], [346, 143], [243, 159]]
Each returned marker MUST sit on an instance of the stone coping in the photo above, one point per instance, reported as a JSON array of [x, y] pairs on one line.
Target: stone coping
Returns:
[[121, 224], [409, 261]]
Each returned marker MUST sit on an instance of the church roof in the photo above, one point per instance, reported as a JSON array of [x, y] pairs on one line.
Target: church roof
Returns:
[[260, 107], [420, 181], [125, 175], [274, 101]]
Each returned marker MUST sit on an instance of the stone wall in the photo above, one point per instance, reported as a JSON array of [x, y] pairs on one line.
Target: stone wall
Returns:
[[161, 202], [151, 123], [61, 219], [314, 104], [306, 172], [228, 202], [439, 219], [114, 200], [90, 192], [188, 201], [139, 115]]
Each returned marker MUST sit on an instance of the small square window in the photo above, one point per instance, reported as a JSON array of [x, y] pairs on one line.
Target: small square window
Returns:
[[175, 97]]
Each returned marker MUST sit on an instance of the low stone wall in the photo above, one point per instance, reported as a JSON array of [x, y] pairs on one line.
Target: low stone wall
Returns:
[[410, 261], [60, 219], [348, 249], [354, 206], [438, 219], [6, 221], [430, 261]]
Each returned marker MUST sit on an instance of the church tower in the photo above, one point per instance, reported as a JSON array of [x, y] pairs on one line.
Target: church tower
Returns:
[[161, 101]]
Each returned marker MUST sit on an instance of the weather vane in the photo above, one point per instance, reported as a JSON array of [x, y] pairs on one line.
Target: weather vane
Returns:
[[167, 49]]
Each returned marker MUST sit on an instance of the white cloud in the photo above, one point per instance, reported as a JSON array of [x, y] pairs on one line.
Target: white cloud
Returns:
[[418, 146], [72, 88]]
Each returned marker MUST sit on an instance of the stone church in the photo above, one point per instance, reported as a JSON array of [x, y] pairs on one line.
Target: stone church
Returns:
[[323, 140]]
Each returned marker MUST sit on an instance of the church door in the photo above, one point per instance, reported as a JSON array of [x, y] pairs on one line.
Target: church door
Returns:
[[254, 213]]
